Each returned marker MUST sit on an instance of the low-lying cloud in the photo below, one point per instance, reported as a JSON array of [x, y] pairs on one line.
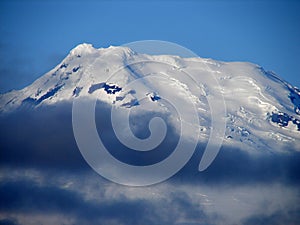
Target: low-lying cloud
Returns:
[[59, 183]]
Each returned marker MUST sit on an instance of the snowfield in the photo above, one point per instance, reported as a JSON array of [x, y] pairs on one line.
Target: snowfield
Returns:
[[262, 110]]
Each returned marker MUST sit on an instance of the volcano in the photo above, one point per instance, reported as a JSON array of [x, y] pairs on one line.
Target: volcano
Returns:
[[251, 115], [262, 110]]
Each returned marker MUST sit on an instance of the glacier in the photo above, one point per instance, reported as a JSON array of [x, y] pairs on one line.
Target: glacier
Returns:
[[262, 110]]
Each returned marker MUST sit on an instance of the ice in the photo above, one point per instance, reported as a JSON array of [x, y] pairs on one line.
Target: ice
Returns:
[[261, 107]]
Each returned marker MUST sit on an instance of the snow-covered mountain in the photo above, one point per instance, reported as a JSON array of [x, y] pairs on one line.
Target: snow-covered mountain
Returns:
[[262, 110]]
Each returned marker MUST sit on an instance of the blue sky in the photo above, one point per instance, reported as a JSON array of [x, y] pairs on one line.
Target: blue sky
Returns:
[[36, 35], [40, 162]]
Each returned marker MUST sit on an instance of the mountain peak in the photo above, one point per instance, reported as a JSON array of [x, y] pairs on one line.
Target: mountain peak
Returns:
[[86, 49], [82, 49], [262, 110]]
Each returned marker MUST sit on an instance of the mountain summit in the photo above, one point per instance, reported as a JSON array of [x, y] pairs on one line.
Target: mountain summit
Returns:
[[263, 111]]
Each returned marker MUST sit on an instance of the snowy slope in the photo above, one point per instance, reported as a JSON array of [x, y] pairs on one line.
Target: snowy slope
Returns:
[[263, 111]]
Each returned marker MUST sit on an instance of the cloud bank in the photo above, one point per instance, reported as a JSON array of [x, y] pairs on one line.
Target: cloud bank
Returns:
[[44, 179]]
